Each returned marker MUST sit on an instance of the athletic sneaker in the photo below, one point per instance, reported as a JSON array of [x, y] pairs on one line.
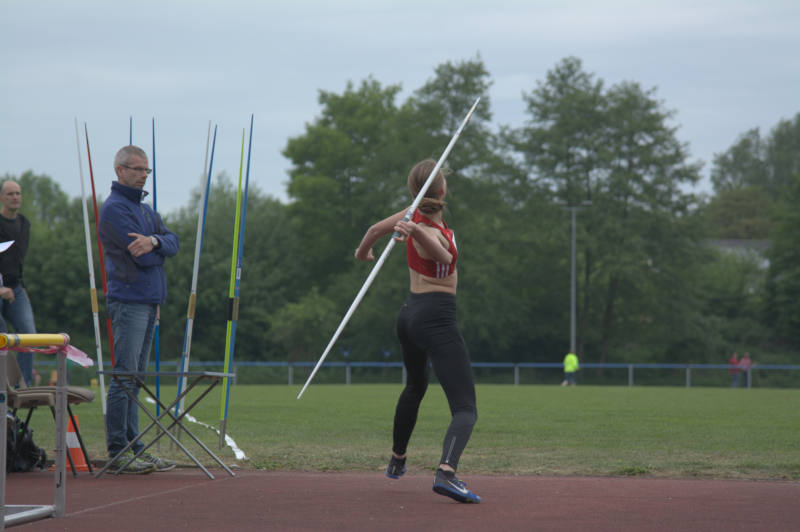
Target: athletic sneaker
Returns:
[[136, 467], [445, 483], [161, 464], [396, 467]]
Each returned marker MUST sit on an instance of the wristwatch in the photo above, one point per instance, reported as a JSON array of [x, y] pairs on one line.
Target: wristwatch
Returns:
[[155, 241]]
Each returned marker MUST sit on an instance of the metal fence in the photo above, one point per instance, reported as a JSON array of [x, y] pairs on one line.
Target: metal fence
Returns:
[[523, 373]]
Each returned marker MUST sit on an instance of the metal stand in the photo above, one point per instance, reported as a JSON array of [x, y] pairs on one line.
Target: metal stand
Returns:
[[211, 378]]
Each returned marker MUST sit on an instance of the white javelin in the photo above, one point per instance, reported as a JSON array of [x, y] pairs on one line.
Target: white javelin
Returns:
[[389, 247], [92, 287]]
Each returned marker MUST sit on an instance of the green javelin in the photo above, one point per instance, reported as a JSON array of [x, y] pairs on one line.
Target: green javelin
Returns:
[[233, 303]]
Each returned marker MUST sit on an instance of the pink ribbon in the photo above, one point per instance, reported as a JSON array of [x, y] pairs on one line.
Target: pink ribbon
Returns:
[[73, 353]]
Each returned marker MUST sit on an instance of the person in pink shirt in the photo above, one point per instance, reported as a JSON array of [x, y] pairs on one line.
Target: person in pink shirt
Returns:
[[745, 364], [734, 370]]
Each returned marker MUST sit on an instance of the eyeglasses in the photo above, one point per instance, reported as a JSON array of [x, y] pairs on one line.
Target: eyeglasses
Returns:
[[138, 168]]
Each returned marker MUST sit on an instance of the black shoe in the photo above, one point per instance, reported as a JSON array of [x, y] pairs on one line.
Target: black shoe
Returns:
[[396, 467], [445, 483]]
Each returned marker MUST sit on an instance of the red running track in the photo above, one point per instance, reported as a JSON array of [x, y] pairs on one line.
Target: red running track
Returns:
[[185, 499]]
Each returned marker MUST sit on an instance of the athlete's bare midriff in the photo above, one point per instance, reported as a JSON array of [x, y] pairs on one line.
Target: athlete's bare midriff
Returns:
[[422, 284]]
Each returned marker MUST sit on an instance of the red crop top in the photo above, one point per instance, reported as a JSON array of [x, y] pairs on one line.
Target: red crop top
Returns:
[[429, 267]]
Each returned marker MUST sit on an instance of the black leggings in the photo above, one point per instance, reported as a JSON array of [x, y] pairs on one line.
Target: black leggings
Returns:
[[428, 330]]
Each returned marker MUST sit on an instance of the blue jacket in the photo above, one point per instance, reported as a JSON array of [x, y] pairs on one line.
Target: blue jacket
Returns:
[[134, 279]]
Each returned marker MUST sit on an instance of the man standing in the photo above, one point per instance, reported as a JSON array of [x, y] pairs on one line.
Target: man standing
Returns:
[[16, 307], [136, 243]]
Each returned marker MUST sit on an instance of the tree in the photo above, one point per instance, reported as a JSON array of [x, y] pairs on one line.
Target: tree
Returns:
[[782, 309], [742, 165], [756, 197], [511, 274], [769, 164], [745, 212], [350, 171], [614, 148], [438, 108], [342, 160], [559, 145], [643, 167], [267, 281], [783, 154], [300, 328], [732, 297]]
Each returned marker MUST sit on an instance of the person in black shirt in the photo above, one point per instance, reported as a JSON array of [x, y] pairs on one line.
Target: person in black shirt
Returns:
[[15, 307]]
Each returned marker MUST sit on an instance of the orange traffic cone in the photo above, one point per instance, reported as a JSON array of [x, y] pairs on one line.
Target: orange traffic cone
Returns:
[[74, 448]]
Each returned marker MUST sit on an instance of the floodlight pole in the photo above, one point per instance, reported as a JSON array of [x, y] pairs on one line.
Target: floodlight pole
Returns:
[[573, 209]]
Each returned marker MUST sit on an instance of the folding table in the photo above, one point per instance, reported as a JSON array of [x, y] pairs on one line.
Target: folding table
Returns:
[[194, 378]]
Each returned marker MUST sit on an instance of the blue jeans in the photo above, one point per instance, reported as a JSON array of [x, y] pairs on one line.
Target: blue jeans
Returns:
[[133, 326], [20, 315]]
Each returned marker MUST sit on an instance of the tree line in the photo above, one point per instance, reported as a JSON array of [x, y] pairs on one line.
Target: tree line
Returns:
[[651, 287]]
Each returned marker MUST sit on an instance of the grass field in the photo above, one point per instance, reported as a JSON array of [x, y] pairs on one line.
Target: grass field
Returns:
[[521, 430]]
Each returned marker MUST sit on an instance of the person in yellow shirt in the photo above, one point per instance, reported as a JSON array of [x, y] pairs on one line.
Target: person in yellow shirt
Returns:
[[570, 369]]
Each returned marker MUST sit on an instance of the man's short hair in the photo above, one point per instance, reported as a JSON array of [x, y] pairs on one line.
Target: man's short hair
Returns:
[[124, 154]]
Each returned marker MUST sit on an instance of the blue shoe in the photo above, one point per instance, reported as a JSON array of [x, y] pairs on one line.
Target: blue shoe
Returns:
[[396, 467], [445, 483]]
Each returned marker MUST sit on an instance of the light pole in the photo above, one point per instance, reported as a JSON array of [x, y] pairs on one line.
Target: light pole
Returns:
[[573, 209]]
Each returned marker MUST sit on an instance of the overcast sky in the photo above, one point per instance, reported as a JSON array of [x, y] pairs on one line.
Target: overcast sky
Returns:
[[724, 66]]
